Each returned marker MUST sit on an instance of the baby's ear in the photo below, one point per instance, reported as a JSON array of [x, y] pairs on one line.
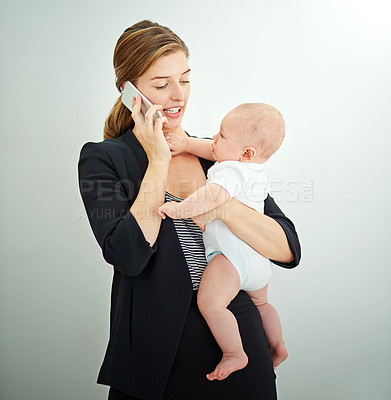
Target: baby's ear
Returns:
[[248, 154]]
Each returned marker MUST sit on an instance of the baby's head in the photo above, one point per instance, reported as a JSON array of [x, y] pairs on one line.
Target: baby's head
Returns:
[[251, 132]]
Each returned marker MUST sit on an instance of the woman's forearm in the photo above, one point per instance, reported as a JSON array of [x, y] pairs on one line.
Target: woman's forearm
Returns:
[[150, 197], [259, 231]]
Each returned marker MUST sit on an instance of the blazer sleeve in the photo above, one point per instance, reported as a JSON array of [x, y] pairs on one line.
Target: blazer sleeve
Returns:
[[107, 206], [273, 211]]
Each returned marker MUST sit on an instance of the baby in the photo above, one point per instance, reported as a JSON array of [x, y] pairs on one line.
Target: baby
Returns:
[[249, 135]]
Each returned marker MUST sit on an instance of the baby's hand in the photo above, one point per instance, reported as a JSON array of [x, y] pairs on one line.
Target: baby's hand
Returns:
[[177, 144], [170, 208]]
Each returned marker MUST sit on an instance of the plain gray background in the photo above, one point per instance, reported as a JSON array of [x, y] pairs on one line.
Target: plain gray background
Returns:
[[325, 64]]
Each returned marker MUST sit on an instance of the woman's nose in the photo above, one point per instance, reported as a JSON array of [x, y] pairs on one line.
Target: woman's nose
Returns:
[[215, 138], [177, 93]]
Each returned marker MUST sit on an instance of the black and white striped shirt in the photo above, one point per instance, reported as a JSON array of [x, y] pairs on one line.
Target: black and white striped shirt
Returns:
[[190, 238]]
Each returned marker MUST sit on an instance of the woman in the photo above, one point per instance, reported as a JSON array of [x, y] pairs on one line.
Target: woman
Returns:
[[160, 347]]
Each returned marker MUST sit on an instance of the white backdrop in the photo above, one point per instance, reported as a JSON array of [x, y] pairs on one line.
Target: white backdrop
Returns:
[[325, 64]]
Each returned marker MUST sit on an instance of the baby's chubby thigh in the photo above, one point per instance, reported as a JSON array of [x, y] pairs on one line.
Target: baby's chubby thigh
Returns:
[[219, 285]]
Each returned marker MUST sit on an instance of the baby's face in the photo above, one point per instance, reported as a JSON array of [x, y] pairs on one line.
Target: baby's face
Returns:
[[226, 144]]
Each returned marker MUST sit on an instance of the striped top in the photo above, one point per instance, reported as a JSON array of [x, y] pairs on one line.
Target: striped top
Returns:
[[190, 238]]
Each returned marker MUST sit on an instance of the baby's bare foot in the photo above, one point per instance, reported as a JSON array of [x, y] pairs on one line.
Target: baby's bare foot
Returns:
[[278, 352], [227, 365]]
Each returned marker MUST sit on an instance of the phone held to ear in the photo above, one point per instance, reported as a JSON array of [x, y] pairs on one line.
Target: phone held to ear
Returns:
[[129, 91]]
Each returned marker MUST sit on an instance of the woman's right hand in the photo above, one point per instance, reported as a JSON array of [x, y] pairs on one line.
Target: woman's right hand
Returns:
[[150, 135]]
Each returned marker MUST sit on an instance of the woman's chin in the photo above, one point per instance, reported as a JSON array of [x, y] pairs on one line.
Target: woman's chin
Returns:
[[173, 124]]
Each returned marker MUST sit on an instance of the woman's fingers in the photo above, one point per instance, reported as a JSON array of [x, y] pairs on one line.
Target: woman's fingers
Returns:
[[161, 144], [159, 123], [150, 135], [150, 113], [136, 113]]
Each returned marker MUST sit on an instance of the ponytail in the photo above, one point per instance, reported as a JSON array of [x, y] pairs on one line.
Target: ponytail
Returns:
[[118, 121]]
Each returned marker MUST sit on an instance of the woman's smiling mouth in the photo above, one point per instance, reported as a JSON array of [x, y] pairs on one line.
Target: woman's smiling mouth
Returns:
[[174, 112]]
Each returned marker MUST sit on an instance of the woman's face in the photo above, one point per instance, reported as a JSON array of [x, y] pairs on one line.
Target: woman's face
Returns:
[[167, 83]]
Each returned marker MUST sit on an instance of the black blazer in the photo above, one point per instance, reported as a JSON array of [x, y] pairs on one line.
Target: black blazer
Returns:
[[151, 289]]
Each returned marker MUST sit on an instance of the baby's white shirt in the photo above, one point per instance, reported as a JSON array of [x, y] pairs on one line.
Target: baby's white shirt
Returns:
[[244, 181]]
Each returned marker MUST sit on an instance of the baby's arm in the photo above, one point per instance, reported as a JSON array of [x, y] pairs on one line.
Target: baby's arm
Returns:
[[196, 146], [204, 199]]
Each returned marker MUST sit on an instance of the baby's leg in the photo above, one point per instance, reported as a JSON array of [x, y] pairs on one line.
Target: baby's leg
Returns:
[[272, 326], [220, 283]]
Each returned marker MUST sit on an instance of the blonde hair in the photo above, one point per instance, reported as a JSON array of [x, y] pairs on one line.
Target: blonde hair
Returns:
[[136, 50], [262, 127]]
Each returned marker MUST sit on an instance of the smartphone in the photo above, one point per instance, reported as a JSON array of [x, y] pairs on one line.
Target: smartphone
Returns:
[[129, 91]]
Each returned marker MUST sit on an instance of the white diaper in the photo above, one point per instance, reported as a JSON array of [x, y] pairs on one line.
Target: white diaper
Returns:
[[254, 270]]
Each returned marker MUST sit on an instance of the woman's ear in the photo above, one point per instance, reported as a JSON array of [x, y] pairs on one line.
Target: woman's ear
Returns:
[[248, 154]]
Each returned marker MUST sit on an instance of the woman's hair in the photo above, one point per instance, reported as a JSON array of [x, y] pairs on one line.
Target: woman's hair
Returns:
[[137, 49]]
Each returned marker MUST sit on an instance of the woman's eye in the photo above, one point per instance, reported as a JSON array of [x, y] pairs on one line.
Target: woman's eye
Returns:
[[185, 81], [162, 87]]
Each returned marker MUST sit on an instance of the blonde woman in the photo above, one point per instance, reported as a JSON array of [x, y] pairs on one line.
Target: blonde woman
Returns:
[[160, 347]]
